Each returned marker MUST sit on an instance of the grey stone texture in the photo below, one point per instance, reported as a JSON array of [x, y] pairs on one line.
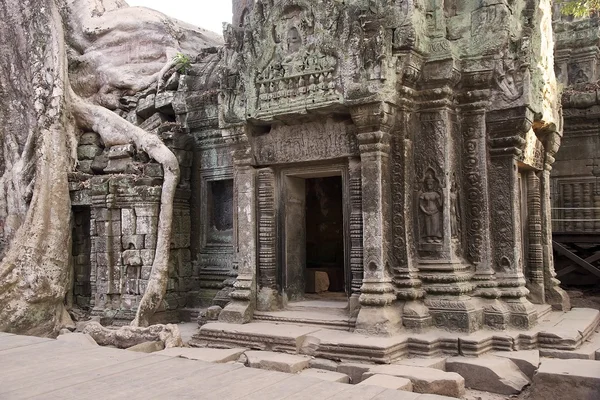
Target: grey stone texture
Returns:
[[147, 347], [326, 375], [489, 373], [218, 356], [277, 361], [558, 379], [389, 382]]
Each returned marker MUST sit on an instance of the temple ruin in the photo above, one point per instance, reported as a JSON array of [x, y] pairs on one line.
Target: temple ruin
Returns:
[[397, 156]]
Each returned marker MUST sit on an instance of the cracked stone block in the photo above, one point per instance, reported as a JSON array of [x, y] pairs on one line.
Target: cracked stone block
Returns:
[[528, 361], [424, 380], [90, 138], [77, 339], [389, 382], [121, 151], [164, 102], [323, 363], [147, 347], [566, 379], [354, 370], [218, 356], [88, 151], [153, 122], [325, 375], [489, 373], [277, 361], [437, 363], [146, 106]]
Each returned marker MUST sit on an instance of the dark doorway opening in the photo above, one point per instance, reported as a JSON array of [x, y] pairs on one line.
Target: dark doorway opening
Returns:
[[81, 253], [324, 235]]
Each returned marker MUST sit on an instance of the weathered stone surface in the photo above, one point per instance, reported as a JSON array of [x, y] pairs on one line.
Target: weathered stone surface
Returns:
[[354, 370], [277, 361], [326, 375], [147, 347], [492, 374], [77, 339], [323, 363], [528, 361], [424, 380], [436, 362], [207, 354], [389, 382], [566, 379]]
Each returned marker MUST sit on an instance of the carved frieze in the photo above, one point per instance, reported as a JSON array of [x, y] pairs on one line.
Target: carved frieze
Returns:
[[306, 142], [431, 208]]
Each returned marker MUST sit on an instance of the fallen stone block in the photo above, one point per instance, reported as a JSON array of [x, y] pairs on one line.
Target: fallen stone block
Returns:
[[492, 374], [277, 361], [77, 339], [218, 356], [325, 375], [147, 347], [587, 351], [323, 363], [354, 370], [528, 361], [566, 379], [424, 380], [389, 382]]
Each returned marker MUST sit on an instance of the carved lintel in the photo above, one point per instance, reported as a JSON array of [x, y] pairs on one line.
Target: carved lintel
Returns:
[[373, 117]]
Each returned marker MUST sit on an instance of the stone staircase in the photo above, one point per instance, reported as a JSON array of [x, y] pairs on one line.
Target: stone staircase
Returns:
[[330, 314]]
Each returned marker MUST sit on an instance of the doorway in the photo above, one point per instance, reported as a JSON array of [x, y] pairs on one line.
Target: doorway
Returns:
[[315, 250]]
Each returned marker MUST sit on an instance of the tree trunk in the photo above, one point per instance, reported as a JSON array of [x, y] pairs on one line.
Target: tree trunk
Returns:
[[41, 108]]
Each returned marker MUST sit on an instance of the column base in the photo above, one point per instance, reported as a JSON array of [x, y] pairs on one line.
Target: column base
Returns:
[[354, 305], [536, 292], [496, 314], [523, 314], [557, 297], [458, 314], [241, 308], [416, 316], [379, 321], [268, 299]]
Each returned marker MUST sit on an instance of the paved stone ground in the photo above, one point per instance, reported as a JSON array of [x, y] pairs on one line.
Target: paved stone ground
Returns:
[[37, 368]]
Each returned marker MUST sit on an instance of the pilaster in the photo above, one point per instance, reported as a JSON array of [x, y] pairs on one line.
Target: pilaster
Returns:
[[378, 315], [356, 233]]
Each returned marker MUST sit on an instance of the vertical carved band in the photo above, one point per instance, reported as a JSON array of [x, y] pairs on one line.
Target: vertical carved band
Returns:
[[474, 190], [356, 226], [535, 262], [267, 261]]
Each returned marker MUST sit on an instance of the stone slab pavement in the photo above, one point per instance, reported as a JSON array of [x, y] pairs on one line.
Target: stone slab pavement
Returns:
[[39, 368]]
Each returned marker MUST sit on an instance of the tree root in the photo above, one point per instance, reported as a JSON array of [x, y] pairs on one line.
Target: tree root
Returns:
[[127, 336], [115, 130]]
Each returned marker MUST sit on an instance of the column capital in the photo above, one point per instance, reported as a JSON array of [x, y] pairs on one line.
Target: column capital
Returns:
[[374, 117]]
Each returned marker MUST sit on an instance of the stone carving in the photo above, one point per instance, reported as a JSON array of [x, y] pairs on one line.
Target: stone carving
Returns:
[[474, 195], [454, 209], [505, 76], [267, 260], [431, 209]]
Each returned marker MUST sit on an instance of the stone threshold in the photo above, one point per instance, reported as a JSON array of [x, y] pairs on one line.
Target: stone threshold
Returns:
[[556, 330]]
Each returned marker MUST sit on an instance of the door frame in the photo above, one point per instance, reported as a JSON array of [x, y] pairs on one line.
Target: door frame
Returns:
[[284, 175]]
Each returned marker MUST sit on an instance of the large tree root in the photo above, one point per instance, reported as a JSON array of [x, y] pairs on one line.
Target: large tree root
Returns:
[[128, 336], [114, 130]]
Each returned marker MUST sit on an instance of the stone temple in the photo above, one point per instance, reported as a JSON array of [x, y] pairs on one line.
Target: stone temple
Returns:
[[391, 155]]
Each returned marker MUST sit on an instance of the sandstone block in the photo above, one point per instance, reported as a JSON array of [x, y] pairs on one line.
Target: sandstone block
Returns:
[[219, 356], [277, 361], [90, 138], [389, 382], [437, 363], [325, 375], [492, 374], [145, 106], [354, 370], [164, 102], [147, 347], [566, 379], [88, 151], [323, 363], [528, 361], [424, 380], [78, 339]]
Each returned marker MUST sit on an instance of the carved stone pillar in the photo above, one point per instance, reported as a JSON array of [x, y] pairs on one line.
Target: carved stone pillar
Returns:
[[477, 214], [378, 315], [446, 276], [404, 267], [506, 145], [268, 298], [243, 297], [553, 293], [356, 232], [535, 259]]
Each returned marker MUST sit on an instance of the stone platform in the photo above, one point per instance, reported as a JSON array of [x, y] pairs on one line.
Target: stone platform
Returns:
[[566, 331]]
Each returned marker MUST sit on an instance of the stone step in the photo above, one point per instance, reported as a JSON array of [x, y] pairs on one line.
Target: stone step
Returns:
[[489, 373], [571, 331], [424, 380], [566, 379], [389, 382], [325, 375], [255, 335], [277, 361], [588, 350], [324, 318], [206, 354]]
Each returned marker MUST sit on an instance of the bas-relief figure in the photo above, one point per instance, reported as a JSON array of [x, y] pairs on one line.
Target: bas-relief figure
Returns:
[[369, 94]]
